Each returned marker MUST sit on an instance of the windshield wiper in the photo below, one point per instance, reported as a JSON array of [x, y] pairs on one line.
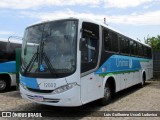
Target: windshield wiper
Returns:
[[44, 57], [40, 57], [33, 59], [48, 63]]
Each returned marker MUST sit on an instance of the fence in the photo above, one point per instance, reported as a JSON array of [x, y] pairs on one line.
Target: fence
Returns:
[[156, 65]]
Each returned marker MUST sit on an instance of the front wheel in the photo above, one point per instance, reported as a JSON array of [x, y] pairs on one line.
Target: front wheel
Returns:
[[107, 95]]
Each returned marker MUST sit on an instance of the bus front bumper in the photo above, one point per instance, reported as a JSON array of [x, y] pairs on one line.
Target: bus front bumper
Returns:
[[68, 98]]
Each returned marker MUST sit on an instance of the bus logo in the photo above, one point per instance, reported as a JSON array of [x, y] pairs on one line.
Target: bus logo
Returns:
[[122, 63], [41, 68]]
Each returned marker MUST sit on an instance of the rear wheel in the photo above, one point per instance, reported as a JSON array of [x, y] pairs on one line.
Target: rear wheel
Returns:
[[142, 84], [107, 95], [3, 85]]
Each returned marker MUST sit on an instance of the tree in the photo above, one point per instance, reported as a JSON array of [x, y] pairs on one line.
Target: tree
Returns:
[[154, 42]]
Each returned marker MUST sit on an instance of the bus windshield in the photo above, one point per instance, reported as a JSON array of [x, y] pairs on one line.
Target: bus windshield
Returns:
[[49, 49]]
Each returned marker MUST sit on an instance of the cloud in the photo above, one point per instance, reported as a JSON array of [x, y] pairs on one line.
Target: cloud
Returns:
[[43, 16], [148, 18], [34, 4], [125, 3], [6, 32], [26, 4]]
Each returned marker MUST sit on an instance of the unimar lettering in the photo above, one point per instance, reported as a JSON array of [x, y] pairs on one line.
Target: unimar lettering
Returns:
[[124, 63]]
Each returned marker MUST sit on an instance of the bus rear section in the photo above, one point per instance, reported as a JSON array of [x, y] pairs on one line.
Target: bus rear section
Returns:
[[8, 63]]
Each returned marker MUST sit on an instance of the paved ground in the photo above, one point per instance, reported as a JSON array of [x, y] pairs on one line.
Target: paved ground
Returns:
[[132, 99]]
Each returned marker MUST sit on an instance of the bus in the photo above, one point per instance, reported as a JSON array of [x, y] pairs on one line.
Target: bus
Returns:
[[8, 63], [74, 61]]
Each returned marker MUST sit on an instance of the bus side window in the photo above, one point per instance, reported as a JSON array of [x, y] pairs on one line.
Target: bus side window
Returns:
[[107, 40], [149, 52], [140, 50], [110, 41], [114, 37], [12, 50], [127, 48], [145, 51], [122, 44], [3, 54], [133, 46]]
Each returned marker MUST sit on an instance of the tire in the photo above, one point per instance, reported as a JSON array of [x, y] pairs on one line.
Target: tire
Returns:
[[3, 85], [142, 84], [107, 95]]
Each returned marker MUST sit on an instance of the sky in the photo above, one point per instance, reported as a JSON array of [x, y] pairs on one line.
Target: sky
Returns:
[[138, 19]]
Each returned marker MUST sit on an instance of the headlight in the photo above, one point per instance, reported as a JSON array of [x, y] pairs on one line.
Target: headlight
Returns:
[[64, 88], [21, 84]]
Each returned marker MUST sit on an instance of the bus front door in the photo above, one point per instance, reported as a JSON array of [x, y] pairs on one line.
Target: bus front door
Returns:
[[90, 82]]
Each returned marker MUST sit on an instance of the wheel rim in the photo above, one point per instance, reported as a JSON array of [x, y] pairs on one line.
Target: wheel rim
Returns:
[[2, 84]]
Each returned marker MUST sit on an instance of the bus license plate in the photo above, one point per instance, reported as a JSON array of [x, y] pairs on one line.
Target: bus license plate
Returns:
[[38, 98]]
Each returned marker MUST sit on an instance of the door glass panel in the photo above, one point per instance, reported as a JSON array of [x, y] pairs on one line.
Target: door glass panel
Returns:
[[89, 47]]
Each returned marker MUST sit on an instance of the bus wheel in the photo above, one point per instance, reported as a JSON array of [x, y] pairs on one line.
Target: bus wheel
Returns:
[[143, 81], [3, 85], [107, 95]]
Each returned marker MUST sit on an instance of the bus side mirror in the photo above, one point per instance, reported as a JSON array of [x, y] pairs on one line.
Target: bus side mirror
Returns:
[[82, 43]]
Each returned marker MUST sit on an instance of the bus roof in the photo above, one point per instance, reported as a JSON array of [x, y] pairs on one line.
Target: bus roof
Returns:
[[92, 21], [11, 40]]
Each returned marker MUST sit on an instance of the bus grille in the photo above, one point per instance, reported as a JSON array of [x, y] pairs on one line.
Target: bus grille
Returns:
[[45, 99], [40, 91]]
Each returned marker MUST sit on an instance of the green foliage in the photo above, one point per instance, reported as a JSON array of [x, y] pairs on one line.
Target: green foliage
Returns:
[[154, 42]]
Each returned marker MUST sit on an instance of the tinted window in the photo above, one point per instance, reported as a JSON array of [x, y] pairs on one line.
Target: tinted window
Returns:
[[133, 46], [114, 39], [3, 46], [127, 48], [110, 41], [13, 46], [3, 52], [107, 40], [145, 51], [149, 53], [124, 45], [140, 49], [12, 50]]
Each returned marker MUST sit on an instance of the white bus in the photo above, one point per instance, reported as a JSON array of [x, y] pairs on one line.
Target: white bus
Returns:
[[73, 61], [8, 63]]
